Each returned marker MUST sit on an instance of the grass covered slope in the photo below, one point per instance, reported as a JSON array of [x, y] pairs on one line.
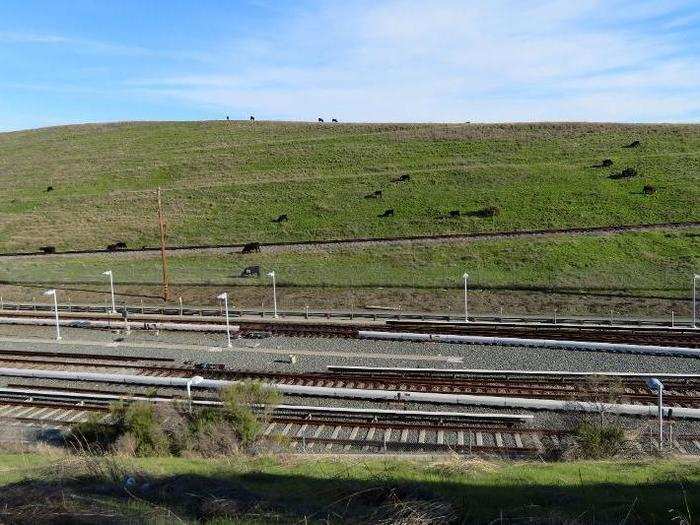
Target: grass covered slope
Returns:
[[642, 272], [352, 490], [225, 182]]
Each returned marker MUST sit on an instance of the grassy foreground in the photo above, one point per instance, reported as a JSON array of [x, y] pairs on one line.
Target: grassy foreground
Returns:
[[303, 490], [225, 182], [622, 271]]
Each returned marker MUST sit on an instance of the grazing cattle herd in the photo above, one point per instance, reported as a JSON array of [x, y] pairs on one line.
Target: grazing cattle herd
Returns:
[[490, 211]]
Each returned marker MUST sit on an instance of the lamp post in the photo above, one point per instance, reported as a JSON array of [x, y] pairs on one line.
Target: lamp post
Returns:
[[657, 386], [55, 309], [466, 305], [274, 294], [111, 289], [224, 297], [695, 278], [192, 381]]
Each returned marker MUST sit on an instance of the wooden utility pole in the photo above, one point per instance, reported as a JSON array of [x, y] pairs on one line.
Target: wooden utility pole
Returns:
[[161, 222]]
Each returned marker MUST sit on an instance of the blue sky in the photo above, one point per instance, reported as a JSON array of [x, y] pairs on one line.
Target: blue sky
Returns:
[[383, 60]]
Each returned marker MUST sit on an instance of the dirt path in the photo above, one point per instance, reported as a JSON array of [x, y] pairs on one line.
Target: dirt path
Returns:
[[327, 245]]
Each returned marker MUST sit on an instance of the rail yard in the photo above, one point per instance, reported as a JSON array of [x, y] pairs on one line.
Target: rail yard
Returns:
[[362, 382]]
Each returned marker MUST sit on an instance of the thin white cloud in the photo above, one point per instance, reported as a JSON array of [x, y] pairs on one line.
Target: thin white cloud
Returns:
[[410, 60], [102, 48]]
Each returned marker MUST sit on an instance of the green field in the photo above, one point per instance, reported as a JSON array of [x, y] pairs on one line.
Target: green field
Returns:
[[631, 269], [296, 490], [224, 182]]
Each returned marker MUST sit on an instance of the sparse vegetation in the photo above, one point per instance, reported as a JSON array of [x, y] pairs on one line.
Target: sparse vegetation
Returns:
[[159, 429], [598, 441]]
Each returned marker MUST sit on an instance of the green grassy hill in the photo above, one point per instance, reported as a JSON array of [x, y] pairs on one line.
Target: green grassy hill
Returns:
[[225, 182]]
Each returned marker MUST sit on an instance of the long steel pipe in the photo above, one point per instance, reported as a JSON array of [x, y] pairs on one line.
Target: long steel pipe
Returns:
[[485, 371], [119, 325], [533, 343]]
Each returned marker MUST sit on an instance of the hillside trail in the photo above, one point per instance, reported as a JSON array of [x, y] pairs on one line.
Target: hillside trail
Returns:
[[336, 244]]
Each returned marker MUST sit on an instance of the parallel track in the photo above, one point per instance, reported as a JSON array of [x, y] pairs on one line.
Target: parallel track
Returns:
[[643, 335], [680, 392], [338, 434]]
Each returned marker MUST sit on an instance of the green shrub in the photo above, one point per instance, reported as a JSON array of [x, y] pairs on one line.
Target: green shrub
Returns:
[[247, 407], [599, 441]]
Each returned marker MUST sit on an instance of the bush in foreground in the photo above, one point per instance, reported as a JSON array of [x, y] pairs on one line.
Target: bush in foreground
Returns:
[[151, 429]]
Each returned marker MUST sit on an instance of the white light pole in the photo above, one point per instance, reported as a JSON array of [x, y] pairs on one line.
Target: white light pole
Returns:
[[224, 298], [695, 278], [657, 386], [192, 381], [55, 307], [466, 305], [274, 294], [111, 288]]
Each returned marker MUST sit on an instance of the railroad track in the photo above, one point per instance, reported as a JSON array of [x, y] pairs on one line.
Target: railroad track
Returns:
[[643, 335], [308, 432], [679, 392]]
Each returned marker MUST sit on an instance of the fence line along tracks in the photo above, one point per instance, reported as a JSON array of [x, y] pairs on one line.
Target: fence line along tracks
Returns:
[[680, 391], [350, 328]]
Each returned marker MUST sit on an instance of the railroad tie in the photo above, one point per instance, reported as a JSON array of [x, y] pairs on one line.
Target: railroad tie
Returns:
[[285, 430], [555, 440], [299, 434], [518, 440], [479, 439], [23, 411], [404, 435], [316, 434], [441, 437], [7, 409], [269, 428], [421, 436], [40, 411], [79, 415], [680, 447], [369, 437], [334, 435], [499, 440], [696, 443], [352, 437], [54, 415], [460, 438]]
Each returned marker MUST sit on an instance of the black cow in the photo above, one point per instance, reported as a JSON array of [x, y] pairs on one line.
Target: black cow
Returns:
[[251, 247], [402, 178], [252, 117], [119, 245], [490, 211], [320, 119], [48, 249], [334, 120], [387, 213], [281, 218], [633, 144], [454, 213], [624, 174], [251, 271], [50, 188], [227, 117], [606, 163]]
